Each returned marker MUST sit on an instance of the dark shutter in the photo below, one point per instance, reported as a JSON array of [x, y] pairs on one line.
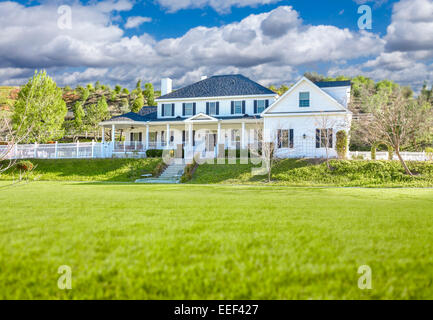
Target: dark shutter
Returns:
[[162, 111], [172, 110], [183, 109], [140, 136], [217, 108], [255, 106], [193, 138], [193, 108], [162, 137], [330, 142], [131, 136], [233, 107], [266, 104], [279, 138], [183, 137], [291, 139], [207, 108], [317, 138], [243, 107]]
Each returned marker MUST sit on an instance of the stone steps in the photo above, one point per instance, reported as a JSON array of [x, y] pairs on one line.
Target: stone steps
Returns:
[[170, 175]]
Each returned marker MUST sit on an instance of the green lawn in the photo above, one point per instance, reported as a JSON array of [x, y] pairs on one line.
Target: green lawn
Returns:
[[123, 170], [213, 242], [300, 172]]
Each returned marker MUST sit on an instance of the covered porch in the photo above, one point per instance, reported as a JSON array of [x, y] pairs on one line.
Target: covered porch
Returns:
[[199, 133]]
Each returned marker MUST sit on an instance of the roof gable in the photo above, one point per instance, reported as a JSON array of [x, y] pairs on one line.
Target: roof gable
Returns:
[[320, 101], [220, 86]]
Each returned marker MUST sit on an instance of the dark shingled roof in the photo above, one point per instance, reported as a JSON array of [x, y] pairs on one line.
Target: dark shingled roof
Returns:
[[219, 86], [148, 114], [332, 84]]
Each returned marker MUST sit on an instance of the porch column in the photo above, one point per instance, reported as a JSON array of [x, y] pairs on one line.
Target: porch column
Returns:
[[168, 135], [147, 137], [219, 133], [113, 132], [103, 134], [190, 135], [243, 136]]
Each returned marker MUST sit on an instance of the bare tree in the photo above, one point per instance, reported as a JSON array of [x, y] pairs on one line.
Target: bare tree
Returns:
[[264, 144], [395, 119]]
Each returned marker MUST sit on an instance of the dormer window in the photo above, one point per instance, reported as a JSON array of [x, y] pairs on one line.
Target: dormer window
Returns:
[[304, 99]]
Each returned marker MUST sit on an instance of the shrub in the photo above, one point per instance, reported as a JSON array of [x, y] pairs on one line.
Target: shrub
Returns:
[[189, 171], [342, 144], [25, 165], [390, 152], [154, 153], [160, 167]]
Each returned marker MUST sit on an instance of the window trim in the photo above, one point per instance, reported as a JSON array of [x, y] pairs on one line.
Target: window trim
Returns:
[[301, 105], [321, 138], [170, 106], [290, 139]]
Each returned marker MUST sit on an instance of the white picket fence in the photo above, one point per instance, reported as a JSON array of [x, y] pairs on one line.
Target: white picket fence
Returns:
[[91, 150], [383, 155], [57, 151]]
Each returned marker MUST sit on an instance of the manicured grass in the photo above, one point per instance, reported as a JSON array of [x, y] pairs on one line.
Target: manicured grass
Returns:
[[295, 172], [213, 242], [123, 170]]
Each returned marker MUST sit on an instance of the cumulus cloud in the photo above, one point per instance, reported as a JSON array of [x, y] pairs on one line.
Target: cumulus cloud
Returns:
[[411, 28], [222, 6], [134, 22], [268, 47]]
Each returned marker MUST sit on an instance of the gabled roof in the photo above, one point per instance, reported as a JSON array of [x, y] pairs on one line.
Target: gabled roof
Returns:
[[267, 111], [220, 86], [333, 84]]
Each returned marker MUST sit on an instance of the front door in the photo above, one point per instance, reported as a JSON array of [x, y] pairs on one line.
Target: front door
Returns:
[[210, 142]]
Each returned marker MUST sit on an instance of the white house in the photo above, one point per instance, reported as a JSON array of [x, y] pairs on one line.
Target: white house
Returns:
[[230, 111]]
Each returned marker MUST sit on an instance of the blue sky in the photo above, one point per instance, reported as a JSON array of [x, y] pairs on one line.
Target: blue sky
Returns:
[[270, 41]]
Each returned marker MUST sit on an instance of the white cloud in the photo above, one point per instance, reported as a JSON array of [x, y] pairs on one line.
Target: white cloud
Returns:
[[268, 47], [134, 22], [411, 28], [222, 6]]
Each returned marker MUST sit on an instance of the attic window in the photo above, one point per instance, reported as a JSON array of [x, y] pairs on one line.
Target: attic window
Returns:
[[304, 99]]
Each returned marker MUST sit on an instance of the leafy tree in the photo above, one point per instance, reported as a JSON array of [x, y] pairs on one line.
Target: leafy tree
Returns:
[[79, 115], [138, 85], [85, 95], [149, 94], [40, 108], [125, 91], [118, 88], [98, 85], [90, 87], [96, 113], [125, 106], [138, 101]]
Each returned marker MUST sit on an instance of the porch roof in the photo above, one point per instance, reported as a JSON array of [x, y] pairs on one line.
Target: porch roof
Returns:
[[151, 118]]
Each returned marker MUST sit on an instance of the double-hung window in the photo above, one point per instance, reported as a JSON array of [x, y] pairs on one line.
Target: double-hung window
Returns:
[[212, 108], [238, 107], [189, 109], [285, 139], [304, 99], [167, 110], [261, 106], [324, 138]]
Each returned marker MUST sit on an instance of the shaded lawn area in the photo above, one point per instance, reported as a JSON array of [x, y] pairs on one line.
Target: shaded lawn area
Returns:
[[214, 242], [302, 172], [122, 170]]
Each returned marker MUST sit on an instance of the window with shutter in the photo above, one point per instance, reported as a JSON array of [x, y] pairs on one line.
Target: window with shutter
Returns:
[[324, 138], [189, 109]]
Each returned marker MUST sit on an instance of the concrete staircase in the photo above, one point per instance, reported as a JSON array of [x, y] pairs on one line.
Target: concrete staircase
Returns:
[[171, 174]]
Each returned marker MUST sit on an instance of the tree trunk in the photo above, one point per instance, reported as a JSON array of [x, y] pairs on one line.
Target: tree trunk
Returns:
[[403, 163]]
